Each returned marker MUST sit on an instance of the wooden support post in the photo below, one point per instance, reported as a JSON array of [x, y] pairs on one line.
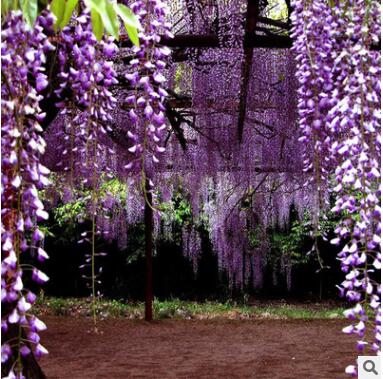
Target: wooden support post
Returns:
[[148, 253]]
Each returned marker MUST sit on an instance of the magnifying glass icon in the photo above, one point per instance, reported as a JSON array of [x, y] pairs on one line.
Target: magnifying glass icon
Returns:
[[369, 366]]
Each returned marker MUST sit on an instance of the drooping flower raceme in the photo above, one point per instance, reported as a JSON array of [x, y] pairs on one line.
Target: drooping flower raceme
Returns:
[[355, 125], [87, 73], [345, 35], [313, 48], [147, 113], [23, 78]]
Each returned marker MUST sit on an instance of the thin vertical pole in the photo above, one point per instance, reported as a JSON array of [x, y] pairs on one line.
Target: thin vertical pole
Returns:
[[148, 253]]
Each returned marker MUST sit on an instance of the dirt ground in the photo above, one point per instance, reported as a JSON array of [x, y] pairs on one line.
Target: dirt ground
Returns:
[[272, 349]]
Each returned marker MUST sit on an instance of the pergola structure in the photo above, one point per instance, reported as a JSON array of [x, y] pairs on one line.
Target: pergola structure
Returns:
[[259, 32]]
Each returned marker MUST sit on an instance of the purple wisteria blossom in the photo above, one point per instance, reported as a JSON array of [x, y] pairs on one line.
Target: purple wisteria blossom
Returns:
[[87, 73], [348, 71], [22, 175], [147, 113]]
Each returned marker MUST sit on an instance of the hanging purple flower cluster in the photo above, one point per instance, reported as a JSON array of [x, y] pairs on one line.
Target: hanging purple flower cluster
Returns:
[[355, 123], [350, 124], [87, 73], [23, 58], [147, 113], [313, 47]]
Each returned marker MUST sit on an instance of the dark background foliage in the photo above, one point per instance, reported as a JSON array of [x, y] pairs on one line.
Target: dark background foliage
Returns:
[[123, 275]]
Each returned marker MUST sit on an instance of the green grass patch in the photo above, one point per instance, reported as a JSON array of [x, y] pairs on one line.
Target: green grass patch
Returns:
[[178, 309]]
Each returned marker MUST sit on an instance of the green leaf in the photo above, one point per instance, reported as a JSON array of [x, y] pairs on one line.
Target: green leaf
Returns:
[[9, 5], [108, 15], [97, 25], [111, 22], [133, 34], [58, 8], [29, 8], [69, 8], [127, 16], [5, 7], [130, 21]]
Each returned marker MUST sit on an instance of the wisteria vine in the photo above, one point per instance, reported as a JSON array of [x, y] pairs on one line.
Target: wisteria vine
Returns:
[[86, 70], [232, 188], [23, 60], [147, 113], [338, 74]]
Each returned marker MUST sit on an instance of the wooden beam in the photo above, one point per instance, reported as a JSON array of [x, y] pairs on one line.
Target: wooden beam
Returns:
[[276, 23], [206, 41], [212, 41]]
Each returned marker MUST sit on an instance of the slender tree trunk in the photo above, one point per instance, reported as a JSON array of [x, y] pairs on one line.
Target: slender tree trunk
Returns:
[[149, 254]]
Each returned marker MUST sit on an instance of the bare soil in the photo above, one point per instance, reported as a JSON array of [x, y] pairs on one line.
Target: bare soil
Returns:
[[262, 349]]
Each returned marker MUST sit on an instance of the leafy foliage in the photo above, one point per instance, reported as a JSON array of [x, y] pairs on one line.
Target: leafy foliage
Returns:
[[175, 308], [69, 214], [106, 15], [29, 9], [177, 210], [72, 212], [302, 231], [63, 10]]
